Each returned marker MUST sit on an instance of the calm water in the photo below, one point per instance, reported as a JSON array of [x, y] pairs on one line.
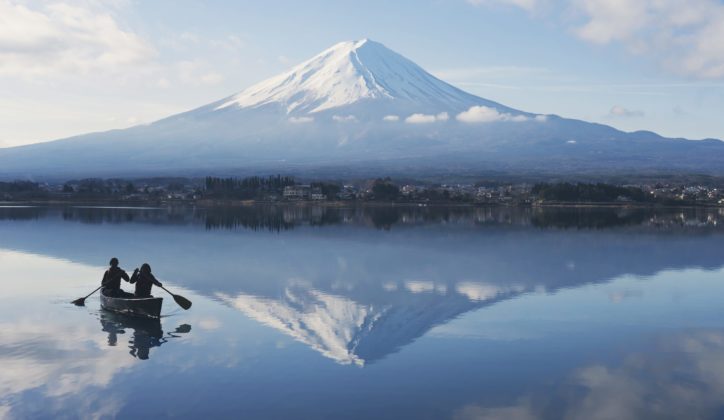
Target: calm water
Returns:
[[378, 313]]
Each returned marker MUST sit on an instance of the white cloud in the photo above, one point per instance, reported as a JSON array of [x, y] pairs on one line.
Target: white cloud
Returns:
[[528, 5], [63, 38], [619, 111], [541, 118], [300, 120], [515, 118], [209, 324], [391, 118], [344, 118], [420, 119], [163, 83], [211, 78], [685, 37], [476, 412], [420, 286], [611, 20], [427, 118], [230, 43], [484, 114], [197, 72], [189, 38], [482, 291], [620, 296], [390, 286], [235, 42]]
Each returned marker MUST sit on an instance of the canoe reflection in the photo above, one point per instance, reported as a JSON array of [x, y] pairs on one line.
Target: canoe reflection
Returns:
[[147, 332]]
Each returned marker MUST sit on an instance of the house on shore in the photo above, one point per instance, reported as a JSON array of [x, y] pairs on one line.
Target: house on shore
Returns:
[[303, 192]]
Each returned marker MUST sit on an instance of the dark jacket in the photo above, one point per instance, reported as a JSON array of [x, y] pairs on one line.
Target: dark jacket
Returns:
[[112, 279], [144, 282]]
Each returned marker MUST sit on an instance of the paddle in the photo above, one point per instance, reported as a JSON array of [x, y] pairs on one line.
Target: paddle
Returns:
[[182, 301], [81, 301]]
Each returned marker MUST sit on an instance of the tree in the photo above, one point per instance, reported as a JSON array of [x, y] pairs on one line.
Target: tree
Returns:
[[328, 189], [384, 189]]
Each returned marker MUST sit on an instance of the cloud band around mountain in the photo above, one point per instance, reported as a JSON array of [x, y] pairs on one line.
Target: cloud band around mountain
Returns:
[[485, 114], [427, 118]]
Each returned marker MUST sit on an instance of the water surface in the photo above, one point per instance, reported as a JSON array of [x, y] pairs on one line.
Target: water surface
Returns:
[[306, 312]]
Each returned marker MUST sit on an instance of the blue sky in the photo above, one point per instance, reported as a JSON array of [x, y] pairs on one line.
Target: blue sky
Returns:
[[70, 68]]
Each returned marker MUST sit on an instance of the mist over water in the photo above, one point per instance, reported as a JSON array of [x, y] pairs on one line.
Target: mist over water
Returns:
[[380, 312]]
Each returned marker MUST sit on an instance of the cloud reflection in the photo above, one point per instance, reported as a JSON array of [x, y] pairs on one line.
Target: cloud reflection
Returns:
[[681, 377], [58, 362]]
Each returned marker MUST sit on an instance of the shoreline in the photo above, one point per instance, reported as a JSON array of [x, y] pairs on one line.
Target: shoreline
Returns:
[[339, 204]]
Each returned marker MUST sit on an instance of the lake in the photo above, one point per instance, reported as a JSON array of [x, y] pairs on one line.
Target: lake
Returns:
[[375, 313]]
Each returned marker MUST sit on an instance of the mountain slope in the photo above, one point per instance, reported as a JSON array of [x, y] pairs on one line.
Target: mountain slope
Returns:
[[359, 106]]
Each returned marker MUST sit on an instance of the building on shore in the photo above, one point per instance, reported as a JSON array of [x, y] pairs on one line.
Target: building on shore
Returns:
[[297, 192]]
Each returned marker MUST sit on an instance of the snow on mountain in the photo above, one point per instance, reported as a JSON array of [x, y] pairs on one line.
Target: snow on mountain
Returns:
[[354, 333], [326, 323], [347, 73]]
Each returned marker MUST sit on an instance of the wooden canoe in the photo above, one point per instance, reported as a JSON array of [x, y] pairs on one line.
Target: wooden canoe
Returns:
[[145, 307]]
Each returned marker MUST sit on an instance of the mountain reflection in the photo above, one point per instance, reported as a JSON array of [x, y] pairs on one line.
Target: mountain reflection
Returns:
[[358, 284], [146, 333], [356, 333]]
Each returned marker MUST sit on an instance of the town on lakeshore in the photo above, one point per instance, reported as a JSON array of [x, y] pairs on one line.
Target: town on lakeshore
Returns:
[[286, 189]]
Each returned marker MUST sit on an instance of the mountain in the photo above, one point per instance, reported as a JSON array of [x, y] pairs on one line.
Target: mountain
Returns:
[[359, 107]]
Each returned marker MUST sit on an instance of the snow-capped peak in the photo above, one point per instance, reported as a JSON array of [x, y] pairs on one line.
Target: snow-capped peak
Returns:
[[345, 74]]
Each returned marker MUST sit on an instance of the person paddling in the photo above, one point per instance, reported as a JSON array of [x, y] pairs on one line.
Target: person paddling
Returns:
[[144, 281], [111, 283]]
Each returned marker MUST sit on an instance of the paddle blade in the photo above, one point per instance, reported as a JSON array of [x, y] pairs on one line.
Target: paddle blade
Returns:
[[79, 302], [182, 301], [183, 329]]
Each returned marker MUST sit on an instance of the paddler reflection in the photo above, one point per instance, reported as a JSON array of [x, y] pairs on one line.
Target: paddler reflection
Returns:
[[147, 332]]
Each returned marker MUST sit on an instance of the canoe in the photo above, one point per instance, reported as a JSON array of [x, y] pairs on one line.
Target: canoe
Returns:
[[146, 307]]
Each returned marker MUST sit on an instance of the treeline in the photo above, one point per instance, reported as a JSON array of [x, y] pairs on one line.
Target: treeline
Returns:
[[19, 186], [99, 187], [20, 190], [589, 193], [384, 189], [246, 188]]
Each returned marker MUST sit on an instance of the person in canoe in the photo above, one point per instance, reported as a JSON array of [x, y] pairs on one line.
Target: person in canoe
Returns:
[[111, 283], [144, 281]]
